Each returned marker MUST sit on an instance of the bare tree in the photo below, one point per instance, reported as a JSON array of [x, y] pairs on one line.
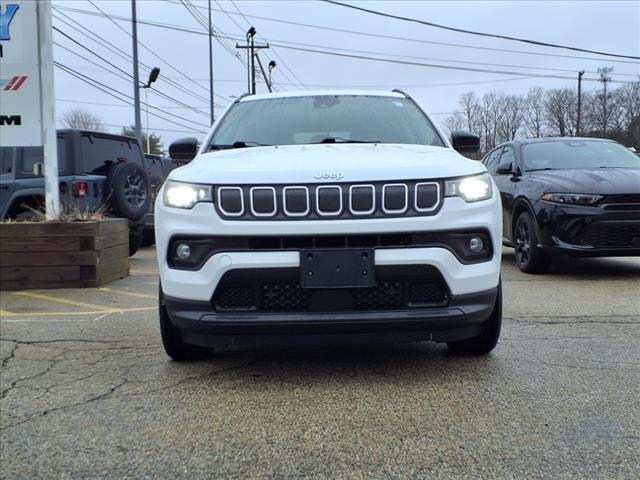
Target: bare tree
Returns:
[[82, 119], [455, 122], [510, 120], [628, 102], [561, 108], [534, 116]]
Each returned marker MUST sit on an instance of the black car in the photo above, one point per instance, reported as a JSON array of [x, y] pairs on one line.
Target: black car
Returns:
[[578, 196]]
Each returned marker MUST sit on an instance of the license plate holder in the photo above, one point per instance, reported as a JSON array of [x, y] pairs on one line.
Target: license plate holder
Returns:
[[339, 268]]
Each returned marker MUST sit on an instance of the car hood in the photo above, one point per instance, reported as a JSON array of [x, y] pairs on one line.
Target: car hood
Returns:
[[602, 181], [326, 163]]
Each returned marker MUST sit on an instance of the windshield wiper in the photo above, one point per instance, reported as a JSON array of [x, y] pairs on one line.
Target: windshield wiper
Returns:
[[541, 169], [237, 144], [344, 140]]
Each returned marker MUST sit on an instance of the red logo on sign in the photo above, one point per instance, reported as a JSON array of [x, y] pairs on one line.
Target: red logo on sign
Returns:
[[15, 83]]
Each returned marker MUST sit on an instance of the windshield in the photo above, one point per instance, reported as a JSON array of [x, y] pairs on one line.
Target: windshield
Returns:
[[325, 119], [577, 154]]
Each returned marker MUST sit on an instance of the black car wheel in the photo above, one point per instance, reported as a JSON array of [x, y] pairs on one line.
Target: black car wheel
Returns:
[[488, 338], [129, 191], [172, 339], [529, 257]]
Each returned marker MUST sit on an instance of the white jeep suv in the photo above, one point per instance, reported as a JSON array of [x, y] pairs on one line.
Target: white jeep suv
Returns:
[[328, 216]]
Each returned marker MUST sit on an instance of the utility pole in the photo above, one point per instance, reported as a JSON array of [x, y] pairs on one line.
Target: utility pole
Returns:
[[136, 81], [251, 47], [604, 78], [210, 64], [580, 74]]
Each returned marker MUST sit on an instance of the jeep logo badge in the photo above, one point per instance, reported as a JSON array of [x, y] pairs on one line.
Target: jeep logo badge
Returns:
[[329, 175]]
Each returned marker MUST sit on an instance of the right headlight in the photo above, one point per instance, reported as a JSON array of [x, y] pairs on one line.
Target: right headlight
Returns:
[[471, 189], [186, 195]]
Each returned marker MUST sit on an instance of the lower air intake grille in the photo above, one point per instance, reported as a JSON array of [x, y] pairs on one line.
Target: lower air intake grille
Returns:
[[279, 290], [600, 235]]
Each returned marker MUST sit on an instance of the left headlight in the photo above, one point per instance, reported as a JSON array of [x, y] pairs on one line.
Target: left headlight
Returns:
[[186, 195], [573, 198], [471, 189]]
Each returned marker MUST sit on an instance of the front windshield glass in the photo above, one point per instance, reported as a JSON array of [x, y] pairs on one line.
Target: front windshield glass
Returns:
[[572, 154], [325, 119]]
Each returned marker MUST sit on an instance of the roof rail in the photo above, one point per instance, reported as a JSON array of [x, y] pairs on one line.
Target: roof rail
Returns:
[[241, 97], [402, 92]]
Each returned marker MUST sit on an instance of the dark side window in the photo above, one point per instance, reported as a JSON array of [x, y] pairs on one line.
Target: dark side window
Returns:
[[6, 160], [492, 160], [32, 155], [508, 155], [98, 153]]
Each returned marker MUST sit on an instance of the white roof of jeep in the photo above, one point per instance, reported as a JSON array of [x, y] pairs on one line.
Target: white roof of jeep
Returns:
[[315, 93]]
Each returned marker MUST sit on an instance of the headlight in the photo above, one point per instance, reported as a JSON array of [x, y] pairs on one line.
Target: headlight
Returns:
[[471, 189], [572, 198], [186, 195]]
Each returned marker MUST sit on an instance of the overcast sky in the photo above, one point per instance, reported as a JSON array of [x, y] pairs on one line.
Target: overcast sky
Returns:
[[609, 26]]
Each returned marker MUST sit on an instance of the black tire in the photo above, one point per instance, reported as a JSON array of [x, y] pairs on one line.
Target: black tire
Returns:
[[488, 338], [529, 257], [129, 193], [135, 238], [172, 339]]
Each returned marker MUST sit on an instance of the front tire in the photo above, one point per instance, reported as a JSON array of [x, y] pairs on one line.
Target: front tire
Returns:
[[488, 338], [172, 338], [529, 257]]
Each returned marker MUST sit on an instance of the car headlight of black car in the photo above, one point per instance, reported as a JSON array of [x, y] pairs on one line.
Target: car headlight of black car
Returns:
[[572, 198]]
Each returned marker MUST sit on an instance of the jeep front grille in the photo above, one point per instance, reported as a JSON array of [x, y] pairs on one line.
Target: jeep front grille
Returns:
[[329, 202]]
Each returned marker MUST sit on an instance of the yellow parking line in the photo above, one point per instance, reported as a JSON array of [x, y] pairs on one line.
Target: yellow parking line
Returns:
[[136, 271], [97, 312], [6, 313], [51, 298], [130, 294]]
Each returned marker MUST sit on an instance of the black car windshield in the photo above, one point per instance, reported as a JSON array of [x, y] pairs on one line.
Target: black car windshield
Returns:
[[571, 154], [325, 119]]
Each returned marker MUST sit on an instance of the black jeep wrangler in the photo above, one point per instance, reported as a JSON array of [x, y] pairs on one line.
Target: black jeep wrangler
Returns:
[[97, 171]]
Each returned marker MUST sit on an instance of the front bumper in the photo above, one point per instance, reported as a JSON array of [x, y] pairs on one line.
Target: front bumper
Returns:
[[202, 220], [201, 325], [588, 231]]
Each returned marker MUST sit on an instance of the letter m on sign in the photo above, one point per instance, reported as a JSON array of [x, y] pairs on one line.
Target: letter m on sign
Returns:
[[10, 120], [5, 20]]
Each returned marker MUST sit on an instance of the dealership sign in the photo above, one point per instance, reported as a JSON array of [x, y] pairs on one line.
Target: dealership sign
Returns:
[[20, 98]]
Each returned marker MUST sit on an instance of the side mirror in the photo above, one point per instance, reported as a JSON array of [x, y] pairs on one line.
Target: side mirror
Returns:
[[504, 168], [184, 150], [465, 142]]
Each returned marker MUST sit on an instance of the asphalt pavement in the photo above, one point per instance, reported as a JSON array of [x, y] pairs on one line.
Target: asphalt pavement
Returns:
[[87, 391]]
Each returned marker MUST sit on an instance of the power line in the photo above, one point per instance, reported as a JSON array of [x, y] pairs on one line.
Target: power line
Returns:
[[418, 40], [121, 53], [159, 92], [180, 72], [71, 100], [187, 30], [418, 64], [482, 34], [110, 91], [275, 52]]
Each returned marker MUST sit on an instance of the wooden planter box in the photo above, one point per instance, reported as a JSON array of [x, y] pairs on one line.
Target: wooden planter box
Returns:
[[63, 255]]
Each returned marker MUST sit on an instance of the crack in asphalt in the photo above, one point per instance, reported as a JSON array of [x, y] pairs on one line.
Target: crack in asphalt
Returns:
[[111, 390]]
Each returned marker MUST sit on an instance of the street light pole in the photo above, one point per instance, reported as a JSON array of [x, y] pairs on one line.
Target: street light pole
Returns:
[[146, 101], [272, 65], [210, 65], [136, 80]]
